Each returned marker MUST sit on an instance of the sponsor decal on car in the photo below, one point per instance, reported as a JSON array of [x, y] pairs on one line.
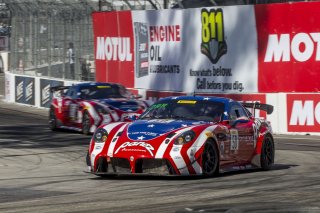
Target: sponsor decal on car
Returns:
[[234, 140], [145, 145]]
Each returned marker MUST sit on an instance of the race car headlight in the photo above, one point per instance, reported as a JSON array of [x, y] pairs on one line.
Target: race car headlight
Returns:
[[185, 137], [100, 136]]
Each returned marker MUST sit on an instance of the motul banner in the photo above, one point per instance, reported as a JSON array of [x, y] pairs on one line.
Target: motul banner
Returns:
[[303, 112], [113, 46], [288, 47]]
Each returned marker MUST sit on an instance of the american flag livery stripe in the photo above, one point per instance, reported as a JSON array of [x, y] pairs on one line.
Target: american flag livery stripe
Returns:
[[98, 147], [92, 112], [178, 155], [163, 147], [197, 146], [115, 140], [177, 158]]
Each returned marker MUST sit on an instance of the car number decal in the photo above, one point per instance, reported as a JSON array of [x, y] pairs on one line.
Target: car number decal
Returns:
[[73, 111], [234, 139]]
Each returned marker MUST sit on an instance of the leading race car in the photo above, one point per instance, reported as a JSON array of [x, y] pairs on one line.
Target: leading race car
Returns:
[[185, 136], [85, 106]]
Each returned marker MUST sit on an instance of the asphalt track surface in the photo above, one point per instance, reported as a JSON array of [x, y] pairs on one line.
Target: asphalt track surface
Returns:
[[42, 171]]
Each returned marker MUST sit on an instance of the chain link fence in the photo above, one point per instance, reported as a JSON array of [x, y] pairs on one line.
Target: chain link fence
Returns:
[[52, 38]]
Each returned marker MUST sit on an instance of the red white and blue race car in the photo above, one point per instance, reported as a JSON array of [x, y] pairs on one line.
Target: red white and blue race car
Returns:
[[185, 135], [85, 106]]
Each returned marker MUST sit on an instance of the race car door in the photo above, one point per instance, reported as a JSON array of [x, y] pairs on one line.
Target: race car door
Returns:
[[70, 107], [241, 134]]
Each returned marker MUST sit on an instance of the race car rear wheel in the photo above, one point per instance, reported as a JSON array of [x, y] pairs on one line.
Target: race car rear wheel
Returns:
[[267, 153], [86, 123], [52, 119], [210, 159]]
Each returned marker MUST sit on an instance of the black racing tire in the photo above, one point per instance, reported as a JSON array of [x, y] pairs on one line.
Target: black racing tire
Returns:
[[102, 166], [210, 159], [86, 123], [52, 119], [267, 153], [88, 161]]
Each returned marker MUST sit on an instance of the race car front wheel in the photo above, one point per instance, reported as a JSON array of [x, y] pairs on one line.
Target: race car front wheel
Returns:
[[86, 123], [267, 153], [52, 119], [210, 159]]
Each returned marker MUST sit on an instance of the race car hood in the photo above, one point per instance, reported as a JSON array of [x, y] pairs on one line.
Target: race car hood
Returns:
[[150, 129], [121, 104]]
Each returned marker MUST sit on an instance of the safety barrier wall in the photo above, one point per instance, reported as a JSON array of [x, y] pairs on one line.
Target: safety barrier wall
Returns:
[[34, 91], [294, 113]]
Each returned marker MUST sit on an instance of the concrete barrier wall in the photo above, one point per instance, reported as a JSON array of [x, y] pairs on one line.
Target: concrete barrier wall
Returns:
[[294, 113]]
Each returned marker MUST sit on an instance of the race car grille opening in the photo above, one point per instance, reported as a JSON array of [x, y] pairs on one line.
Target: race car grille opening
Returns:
[[154, 166], [120, 165]]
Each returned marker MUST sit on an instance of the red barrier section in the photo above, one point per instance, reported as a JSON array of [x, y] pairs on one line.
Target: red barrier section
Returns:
[[114, 47], [303, 112], [288, 47]]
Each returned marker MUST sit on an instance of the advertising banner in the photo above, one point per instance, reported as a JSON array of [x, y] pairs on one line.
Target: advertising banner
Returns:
[[196, 50], [288, 46], [25, 90], [113, 46], [303, 112], [45, 94]]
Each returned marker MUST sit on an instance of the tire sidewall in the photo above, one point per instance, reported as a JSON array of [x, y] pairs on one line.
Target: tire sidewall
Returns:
[[264, 164], [52, 119], [85, 116], [215, 171]]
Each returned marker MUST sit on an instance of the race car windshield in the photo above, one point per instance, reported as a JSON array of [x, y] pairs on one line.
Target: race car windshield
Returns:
[[102, 92], [185, 110]]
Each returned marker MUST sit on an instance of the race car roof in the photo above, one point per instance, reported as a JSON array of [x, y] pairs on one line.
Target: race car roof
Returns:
[[95, 84], [200, 98]]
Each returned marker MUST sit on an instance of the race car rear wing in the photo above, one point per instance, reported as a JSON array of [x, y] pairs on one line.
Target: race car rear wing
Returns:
[[265, 107], [58, 88]]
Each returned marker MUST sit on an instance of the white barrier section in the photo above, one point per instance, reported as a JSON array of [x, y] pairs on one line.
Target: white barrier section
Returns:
[[9, 87], [5, 56], [278, 118], [37, 93]]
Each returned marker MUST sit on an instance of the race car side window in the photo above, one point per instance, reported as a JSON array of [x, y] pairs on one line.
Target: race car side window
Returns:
[[72, 93], [237, 112]]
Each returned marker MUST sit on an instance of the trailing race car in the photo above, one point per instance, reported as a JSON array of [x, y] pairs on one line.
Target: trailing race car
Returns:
[[85, 106], [185, 136]]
